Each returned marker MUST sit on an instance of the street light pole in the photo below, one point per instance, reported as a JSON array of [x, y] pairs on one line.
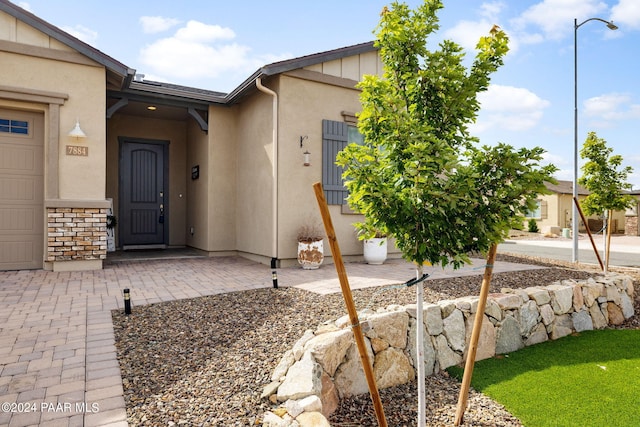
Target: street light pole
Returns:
[[574, 220]]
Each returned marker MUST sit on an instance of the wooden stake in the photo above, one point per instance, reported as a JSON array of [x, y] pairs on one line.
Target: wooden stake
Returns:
[[475, 336], [593, 244], [351, 309]]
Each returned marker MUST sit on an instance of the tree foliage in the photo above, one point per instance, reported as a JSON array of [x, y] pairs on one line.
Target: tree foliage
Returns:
[[603, 177], [419, 174]]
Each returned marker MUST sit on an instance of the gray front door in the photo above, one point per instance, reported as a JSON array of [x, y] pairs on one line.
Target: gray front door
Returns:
[[143, 209]]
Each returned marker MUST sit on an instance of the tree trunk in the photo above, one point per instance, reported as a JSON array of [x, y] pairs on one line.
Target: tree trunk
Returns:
[[420, 348]]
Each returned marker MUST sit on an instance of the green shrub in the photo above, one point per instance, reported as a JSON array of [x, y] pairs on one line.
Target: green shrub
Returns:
[[533, 226]]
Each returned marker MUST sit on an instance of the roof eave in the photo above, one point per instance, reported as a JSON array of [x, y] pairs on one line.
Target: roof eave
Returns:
[[67, 39]]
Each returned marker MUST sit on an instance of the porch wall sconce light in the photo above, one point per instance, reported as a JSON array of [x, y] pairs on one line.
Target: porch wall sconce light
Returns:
[[306, 156], [77, 132]]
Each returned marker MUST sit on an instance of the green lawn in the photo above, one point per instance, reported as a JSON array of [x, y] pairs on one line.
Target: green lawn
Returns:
[[587, 379]]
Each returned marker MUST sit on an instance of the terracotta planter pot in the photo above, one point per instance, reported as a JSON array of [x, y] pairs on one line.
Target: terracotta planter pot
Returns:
[[310, 254]]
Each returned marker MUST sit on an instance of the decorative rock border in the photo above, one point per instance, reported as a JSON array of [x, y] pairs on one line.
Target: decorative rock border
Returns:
[[324, 365]]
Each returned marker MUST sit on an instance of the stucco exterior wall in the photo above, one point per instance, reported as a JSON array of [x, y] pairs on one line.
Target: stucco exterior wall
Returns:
[[254, 174], [304, 104], [80, 177], [211, 198]]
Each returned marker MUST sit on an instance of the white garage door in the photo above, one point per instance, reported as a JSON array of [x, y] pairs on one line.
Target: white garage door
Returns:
[[21, 190]]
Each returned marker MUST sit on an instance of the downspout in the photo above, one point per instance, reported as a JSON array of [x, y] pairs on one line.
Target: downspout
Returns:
[[274, 194]]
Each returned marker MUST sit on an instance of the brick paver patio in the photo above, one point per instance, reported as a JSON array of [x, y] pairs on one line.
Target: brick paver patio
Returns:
[[58, 364]]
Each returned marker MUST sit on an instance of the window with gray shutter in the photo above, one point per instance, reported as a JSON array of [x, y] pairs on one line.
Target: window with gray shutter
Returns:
[[335, 137]]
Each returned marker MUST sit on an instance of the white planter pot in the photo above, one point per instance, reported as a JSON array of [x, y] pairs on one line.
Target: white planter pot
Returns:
[[310, 254], [375, 250]]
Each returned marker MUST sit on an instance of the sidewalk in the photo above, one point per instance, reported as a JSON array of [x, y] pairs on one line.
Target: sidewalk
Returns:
[[625, 244], [58, 360]]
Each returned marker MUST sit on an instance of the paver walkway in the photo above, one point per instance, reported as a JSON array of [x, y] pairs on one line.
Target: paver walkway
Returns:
[[58, 364]]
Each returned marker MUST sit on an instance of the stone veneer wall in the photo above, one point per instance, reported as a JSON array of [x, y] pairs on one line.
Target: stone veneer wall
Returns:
[[631, 225], [76, 234], [324, 365]]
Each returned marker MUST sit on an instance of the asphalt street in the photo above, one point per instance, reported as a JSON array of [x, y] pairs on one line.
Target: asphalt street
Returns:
[[625, 250]]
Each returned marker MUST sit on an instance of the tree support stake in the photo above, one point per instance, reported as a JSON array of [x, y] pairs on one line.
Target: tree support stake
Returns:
[[348, 300]]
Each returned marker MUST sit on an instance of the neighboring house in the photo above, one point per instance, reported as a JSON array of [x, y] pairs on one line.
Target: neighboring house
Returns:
[[555, 210], [631, 226], [179, 166]]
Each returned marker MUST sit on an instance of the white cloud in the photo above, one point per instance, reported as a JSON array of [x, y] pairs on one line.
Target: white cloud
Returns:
[[25, 5], [83, 33], [201, 51], [157, 24], [198, 32], [468, 33], [556, 159], [627, 13], [611, 107], [509, 108], [553, 19]]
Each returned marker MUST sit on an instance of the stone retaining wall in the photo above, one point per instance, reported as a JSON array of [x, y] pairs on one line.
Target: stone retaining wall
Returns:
[[324, 365]]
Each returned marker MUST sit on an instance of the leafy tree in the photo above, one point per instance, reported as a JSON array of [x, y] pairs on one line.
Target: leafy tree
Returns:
[[604, 179], [419, 174], [408, 177]]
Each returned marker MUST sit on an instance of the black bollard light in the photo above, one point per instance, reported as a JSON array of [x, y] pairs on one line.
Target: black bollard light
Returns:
[[274, 273], [127, 301]]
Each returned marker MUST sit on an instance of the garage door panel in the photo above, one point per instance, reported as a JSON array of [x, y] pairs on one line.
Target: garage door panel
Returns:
[[20, 252], [21, 190]]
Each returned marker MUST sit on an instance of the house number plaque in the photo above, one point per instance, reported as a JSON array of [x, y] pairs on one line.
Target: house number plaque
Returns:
[[76, 150]]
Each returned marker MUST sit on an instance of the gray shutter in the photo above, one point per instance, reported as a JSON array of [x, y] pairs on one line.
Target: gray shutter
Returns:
[[334, 140], [544, 209]]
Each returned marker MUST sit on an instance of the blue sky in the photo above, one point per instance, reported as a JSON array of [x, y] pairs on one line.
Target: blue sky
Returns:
[[215, 45]]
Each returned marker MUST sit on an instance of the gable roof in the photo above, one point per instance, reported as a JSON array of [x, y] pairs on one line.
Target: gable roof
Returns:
[[566, 187], [117, 69], [124, 76], [248, 84]]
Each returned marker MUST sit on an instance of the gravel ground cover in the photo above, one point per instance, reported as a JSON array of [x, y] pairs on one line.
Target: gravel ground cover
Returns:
[[204, 361]]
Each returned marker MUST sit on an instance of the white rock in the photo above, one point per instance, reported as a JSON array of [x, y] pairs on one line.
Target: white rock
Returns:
[[298, 347], [547, 314], [598, 319], [454, 330], [486, 341], [508, 337], [283, 366], [392, 368], [272, 420], [303, 379], [582, 321], [329, 349], [432, 318], [311, 404], [349, 378], [528, 317], [446, 356], [561, 298], [391, 327], [312, 419], [626, 305], [540, 296]]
